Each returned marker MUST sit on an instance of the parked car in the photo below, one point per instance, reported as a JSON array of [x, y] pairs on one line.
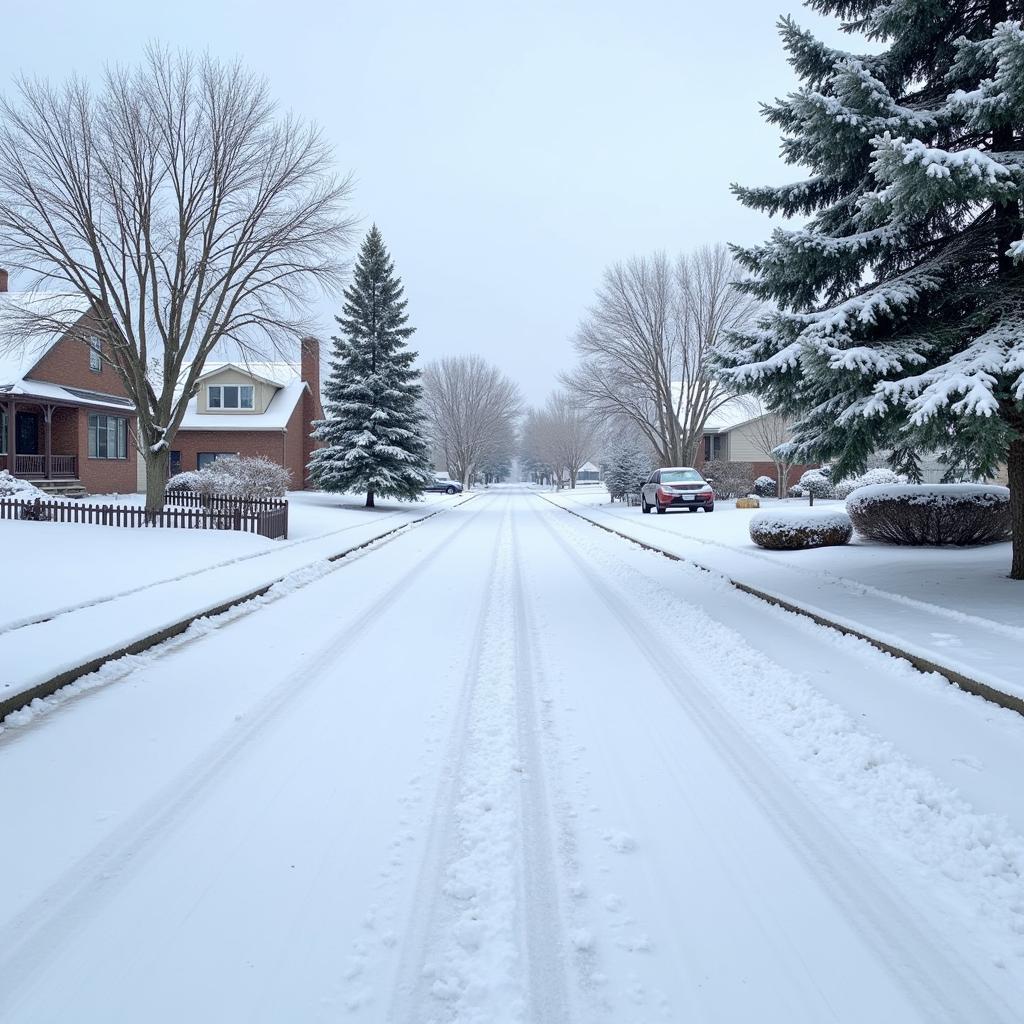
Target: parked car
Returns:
[[444, 485], [676, 487]]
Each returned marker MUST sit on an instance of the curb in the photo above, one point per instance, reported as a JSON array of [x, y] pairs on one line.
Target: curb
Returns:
[[958, 679], [8, 705]]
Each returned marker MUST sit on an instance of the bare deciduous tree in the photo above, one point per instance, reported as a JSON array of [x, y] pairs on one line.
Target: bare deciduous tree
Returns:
[[563, 437], [471, 410], [183, 209], [646, 346], [768, 432]]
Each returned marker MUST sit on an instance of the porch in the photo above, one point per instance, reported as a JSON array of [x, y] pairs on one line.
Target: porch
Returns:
[[31, 430]]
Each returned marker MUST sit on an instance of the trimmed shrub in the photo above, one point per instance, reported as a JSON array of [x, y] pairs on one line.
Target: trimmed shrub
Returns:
[[845, 488], [792, 529], [243, 477], [729, 479], [796, 491], [816, 483], [932, 514], [765, 487]]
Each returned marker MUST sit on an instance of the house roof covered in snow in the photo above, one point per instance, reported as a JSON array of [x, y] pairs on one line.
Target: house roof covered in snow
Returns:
[[22, 346], [732, 413], [285, 377], [31, 323]]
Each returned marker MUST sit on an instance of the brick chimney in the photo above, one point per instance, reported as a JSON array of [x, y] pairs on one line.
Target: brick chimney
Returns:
[[310, 366], [3, 280], [309, 370]]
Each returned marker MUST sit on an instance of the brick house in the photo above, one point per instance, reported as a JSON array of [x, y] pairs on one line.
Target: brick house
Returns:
[[742, 430], [66, 422], [252, 408]]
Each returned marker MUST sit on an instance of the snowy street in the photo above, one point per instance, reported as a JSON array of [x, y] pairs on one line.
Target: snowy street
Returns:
[[505, 767]]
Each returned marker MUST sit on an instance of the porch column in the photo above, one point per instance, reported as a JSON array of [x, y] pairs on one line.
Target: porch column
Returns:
[[48, 432], [12, 437]]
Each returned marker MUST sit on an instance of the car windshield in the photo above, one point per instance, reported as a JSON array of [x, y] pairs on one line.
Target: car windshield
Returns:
[[680, 476]]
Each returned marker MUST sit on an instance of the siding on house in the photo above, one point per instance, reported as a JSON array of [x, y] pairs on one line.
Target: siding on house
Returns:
[[262, 392]]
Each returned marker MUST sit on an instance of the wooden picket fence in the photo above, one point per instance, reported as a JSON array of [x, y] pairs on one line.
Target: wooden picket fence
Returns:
[[267, 517]]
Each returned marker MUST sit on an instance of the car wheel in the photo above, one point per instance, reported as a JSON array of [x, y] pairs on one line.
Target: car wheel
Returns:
[[710, 508], [644, 507], [661, 508], [449, 490]]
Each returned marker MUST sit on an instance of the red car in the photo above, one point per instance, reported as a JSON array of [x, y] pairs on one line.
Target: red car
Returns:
[[676, 487]]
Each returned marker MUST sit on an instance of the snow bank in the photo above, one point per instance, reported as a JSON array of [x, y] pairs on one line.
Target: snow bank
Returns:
[[788, 529]]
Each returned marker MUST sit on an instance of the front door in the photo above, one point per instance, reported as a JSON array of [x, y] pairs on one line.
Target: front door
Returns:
[[27, 427]]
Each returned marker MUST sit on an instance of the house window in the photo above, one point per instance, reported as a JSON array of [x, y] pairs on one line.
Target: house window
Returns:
[[204, 459], [714, 447], [108, 437], [95, 354], [229, 396]]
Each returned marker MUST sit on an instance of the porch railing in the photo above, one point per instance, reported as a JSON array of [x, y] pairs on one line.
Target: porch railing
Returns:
[[29, 465], [61, 466]]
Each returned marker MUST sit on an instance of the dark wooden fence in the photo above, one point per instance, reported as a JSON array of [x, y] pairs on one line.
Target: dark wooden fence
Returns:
[[267, 517]]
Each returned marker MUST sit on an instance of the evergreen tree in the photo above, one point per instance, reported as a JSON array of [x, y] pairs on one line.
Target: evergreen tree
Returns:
[[897, 316], [373, 437], [626, 464]]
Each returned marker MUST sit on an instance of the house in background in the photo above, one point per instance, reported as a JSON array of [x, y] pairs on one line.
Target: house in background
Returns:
[[742, 430], [66, 422], [252, 408], [589, 474]]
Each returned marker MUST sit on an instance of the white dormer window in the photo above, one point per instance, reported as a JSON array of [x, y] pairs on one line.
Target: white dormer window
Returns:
[[229, 396]]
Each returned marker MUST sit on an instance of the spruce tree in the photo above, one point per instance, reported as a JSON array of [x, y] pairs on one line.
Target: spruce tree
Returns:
[[897, 310], [373, 437], [627, 463]]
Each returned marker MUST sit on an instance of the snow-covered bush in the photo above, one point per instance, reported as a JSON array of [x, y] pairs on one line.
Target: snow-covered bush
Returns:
[[729, 479], [15, 487], [817, 483], [845, 488], [765, 487], [916, 514], [790, 529], [796, 491], [245, 477]]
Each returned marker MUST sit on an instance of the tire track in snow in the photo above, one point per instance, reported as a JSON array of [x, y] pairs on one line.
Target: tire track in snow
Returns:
[[485, 942], [920, 963], [67, 905], [544, 940]]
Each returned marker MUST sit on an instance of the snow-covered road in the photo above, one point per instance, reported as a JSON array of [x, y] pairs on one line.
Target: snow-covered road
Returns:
[[505, 767]]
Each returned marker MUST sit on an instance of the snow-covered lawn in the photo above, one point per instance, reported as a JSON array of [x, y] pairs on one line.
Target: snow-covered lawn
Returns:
[[82, 590], [954, 605]]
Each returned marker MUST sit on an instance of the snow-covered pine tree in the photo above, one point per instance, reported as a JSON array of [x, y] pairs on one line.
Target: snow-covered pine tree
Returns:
[[898, 308], [626, 464], [373, 436]]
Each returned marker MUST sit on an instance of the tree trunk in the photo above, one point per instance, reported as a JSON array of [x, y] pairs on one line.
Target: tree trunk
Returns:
[[156, 478], [369, 499], [1015, 477]]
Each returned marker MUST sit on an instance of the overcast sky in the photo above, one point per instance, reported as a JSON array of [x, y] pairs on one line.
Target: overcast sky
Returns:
[[508, 152]]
